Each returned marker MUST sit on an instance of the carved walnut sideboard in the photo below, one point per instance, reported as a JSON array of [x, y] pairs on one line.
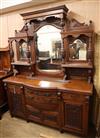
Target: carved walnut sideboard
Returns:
[[52, 61]]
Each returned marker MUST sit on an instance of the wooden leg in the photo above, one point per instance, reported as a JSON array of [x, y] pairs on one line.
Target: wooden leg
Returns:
[[61, 131], [28, 121]]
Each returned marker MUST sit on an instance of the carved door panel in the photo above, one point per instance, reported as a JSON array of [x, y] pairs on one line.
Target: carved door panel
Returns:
[[73, 116], [76, 117], [75, 110], [16, 100]]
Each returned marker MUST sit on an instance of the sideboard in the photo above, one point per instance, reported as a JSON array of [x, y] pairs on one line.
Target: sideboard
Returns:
[[52, 59], [60, 104]]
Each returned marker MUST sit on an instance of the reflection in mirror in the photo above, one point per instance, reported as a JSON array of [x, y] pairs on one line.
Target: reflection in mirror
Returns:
[[19, 50], [77, 50], [22, 50], [49, 46], [13, 51]]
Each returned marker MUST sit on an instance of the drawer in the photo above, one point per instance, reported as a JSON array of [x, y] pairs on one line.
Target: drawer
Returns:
[[51, 118], [33, 92], [74, 97], [43, 105], [42, 97], [33, 113]]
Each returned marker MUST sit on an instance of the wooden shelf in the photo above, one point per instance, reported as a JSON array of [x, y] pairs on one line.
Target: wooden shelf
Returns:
[[77, 65], [4, 49], [23, 63]]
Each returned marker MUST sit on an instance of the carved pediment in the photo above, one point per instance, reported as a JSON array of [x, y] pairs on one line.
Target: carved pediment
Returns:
[[73, 24]]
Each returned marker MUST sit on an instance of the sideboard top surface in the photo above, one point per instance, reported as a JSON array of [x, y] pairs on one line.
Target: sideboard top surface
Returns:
[[79, 86]]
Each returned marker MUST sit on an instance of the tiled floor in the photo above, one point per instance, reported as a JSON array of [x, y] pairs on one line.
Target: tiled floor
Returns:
[[18, 128]]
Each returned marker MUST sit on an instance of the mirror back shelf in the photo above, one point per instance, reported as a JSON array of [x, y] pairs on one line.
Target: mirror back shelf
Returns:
[[79, 40], [50, 44], [22, 53], [47, 26]]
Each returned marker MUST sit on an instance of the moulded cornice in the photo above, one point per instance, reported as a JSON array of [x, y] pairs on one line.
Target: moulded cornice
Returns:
[[32, 4]]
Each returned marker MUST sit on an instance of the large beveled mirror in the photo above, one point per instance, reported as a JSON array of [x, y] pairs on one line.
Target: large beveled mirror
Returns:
[[49, 47]]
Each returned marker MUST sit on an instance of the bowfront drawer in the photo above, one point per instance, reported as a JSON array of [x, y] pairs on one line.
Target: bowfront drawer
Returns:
[[42, 99]]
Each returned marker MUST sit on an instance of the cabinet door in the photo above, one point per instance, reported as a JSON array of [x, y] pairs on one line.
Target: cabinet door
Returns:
[[73, 116], [16, 100], [76, 113]]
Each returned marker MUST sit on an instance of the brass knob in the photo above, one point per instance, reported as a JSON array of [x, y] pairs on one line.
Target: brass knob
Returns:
[[5, 84], [58, 93], [21, 87]]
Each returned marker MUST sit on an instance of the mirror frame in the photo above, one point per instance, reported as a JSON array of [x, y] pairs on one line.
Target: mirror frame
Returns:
[[84, 39], [14, 50], [59, 22], [51, 72], [49, 58]]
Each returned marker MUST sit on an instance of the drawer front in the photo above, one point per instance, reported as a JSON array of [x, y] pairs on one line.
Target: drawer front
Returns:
[[50, 118], [33, 113], [74, 97], [41, 98]]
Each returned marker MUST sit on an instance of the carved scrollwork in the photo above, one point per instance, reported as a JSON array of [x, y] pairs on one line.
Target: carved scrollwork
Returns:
[[38, 23], [73, 24]]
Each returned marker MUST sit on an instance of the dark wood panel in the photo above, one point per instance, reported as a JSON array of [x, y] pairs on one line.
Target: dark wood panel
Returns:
[[16, 100], [73, 116]]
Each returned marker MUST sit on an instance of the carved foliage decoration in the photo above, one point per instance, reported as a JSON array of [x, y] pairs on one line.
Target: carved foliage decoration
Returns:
[[74, 24]]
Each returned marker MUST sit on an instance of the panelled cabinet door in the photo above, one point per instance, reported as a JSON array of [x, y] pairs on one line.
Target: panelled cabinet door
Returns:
[[16, 100], [73, 116], [76, 113]]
